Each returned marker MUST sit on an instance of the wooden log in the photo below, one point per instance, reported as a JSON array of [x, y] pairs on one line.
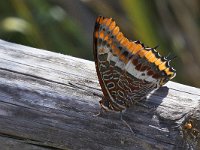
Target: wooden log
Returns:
[[48, 101]]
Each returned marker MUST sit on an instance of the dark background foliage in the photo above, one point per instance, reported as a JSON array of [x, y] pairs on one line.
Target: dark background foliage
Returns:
[[66, 26]]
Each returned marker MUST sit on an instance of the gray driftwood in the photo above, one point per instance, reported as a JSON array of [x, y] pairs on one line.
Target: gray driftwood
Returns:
[[48, 101]]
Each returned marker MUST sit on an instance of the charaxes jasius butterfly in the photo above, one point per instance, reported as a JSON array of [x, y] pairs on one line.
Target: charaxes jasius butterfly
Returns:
[[127, 70]]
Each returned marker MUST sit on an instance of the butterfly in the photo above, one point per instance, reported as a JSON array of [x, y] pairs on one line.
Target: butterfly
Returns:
[[127, 70]]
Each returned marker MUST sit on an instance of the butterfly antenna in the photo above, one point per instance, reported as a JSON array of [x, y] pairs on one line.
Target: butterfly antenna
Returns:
[[168, 55], [173, 57], [121, 117], [156, 47]]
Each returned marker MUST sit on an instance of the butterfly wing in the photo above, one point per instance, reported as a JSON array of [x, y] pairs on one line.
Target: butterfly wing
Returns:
[[127, 70]]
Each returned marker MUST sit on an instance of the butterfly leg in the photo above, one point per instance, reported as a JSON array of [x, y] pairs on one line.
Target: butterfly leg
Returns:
[[99, 113], [121, 117], [141, 104]]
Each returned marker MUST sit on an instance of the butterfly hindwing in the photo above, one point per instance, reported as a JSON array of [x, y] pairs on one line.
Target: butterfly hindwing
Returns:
[[127, 70]]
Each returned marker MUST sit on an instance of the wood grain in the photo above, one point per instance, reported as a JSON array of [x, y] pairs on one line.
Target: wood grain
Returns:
[[48, 101]]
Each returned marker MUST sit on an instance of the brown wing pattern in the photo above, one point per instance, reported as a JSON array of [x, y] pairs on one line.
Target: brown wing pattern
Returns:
[[127, 71]]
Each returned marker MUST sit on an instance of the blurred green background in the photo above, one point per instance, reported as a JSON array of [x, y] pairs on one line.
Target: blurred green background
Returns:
[[66, 26]]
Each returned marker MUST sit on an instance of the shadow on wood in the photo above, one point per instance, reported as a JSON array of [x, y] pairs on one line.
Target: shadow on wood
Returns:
[[47, 101]]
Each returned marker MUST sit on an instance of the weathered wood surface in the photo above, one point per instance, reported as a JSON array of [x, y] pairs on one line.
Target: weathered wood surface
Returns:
[[47, 101]]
